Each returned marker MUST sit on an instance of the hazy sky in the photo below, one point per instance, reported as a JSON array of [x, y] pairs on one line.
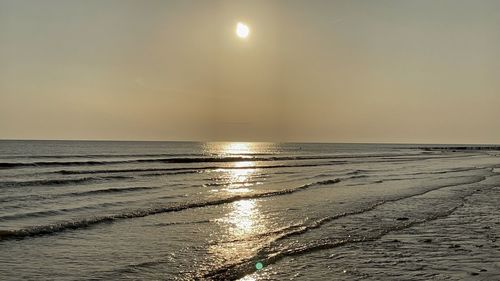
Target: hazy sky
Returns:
[[331, 71]]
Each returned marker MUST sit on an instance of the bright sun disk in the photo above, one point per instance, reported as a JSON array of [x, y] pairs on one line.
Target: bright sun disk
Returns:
[[242, 30]]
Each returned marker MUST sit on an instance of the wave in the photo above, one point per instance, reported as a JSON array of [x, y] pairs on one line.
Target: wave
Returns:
[[69, 225], [110, 190], [161, 224], [461, 148], [454, 170], [80, 172], [169, 173], [83, 193], [363, 173], [186, 160], [63, 156], [54, 228], [50, 212], [227, 183], [191, 169], [356, 172], [61, 211], [281, 232], [46, 182], [5, 165], [52, 182], [377, 181], [241, 268], [8, 199], [182, 160], [31, 214]]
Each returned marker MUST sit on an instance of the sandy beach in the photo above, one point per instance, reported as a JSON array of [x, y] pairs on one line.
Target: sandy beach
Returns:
[[461, 242]]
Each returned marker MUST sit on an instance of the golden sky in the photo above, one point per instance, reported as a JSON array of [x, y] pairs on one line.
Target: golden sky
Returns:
[[421, 71]]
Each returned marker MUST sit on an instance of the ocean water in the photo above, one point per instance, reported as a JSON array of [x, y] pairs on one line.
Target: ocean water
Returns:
[[85, 210]]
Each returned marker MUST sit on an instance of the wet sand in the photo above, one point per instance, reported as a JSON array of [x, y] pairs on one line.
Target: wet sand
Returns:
[[461, 242]]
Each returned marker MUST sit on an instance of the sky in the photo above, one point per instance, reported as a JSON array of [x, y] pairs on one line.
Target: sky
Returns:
[[397, 71]]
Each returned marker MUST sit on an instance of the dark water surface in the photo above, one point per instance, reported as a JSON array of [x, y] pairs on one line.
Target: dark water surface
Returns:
[[72, 210]]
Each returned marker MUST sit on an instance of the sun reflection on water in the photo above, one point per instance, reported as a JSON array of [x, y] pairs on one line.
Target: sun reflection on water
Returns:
[[242, 217], [248, 278], [238, 229], [240, 179], [243, 220], [234, 148], [238, 147]]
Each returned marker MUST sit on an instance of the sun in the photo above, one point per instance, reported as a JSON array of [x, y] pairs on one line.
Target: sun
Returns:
[[242, 30]]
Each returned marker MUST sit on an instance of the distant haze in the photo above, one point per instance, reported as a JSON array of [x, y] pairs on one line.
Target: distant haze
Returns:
[[422, 71]]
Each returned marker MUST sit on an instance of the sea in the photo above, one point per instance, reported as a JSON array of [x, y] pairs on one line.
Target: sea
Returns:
[[119, 210]]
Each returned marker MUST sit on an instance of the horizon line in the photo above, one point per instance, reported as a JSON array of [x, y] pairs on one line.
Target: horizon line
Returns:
[[283, 142]]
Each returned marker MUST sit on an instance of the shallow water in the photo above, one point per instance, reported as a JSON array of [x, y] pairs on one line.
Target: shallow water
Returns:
[[74, 210]]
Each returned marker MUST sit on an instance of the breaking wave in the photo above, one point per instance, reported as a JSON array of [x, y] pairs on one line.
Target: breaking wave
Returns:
[[86, 222]]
